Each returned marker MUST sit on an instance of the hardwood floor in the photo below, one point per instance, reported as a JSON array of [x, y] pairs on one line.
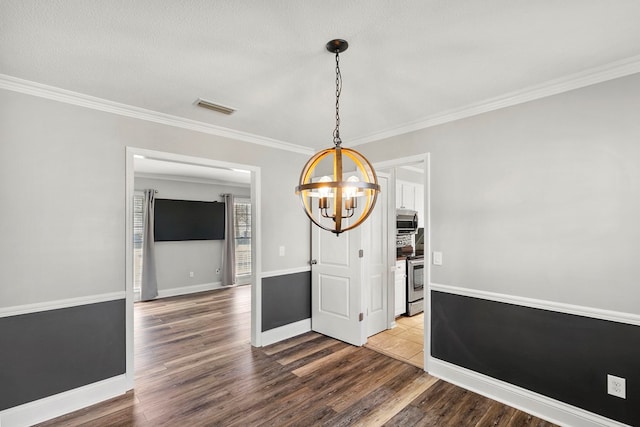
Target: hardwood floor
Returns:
[[195, 367]]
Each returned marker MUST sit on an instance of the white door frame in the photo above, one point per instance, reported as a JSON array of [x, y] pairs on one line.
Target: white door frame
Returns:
[[392, 164], [256, 239], [367, 245]]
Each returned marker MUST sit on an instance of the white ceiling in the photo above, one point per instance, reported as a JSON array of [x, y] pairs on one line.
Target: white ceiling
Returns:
[[154, 168], [408, 61]]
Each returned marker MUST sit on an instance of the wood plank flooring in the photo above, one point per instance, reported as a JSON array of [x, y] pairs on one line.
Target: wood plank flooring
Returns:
[[195, 367]]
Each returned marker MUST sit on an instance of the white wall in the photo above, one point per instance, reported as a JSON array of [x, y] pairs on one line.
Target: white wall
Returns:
[[62, 189], [540, 200], [403, 174], [175, 260]]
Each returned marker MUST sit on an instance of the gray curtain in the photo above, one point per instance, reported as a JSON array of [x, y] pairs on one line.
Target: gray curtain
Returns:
[[149, 282], [229, 250]]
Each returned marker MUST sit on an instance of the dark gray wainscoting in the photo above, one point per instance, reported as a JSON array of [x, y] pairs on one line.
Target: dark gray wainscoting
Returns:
[[52, 351], [562, 356], [285, 299]]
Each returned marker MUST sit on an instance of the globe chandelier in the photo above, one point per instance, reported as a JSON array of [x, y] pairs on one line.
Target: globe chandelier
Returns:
[[343, 203]]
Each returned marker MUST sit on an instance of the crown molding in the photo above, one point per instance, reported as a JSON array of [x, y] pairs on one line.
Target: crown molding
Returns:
[[69, 97], [578, 80]]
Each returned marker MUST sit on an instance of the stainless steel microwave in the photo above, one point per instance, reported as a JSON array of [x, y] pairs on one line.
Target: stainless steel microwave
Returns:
[[406, 221]]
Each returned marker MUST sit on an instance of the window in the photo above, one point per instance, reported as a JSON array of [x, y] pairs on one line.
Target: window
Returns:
[[138, 239], [242, 223]]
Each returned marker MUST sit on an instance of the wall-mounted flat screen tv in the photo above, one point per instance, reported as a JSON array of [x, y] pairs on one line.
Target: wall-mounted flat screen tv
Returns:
[[176, 220]]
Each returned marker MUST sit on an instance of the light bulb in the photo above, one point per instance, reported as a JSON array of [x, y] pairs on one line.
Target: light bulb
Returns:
[[351, 190], [324, 191]]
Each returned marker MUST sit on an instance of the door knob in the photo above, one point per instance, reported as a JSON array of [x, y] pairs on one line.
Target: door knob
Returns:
[[313, 261]]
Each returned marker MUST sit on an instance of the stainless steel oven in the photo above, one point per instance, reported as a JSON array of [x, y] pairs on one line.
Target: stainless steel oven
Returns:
[[415, 285]]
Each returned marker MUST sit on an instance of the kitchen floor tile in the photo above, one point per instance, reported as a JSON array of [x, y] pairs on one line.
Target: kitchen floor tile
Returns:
[[404, 342]]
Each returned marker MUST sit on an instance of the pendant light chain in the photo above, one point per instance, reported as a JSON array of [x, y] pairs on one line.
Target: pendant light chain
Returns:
[[336, 133]]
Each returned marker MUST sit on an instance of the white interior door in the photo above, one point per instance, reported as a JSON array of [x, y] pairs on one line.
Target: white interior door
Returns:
[[375, 270], [337, 304], [336, 286]]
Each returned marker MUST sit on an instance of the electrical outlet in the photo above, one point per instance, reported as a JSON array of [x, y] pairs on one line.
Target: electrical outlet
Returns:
[[218, 270], [191, 274], [617, 386], [281, 250]]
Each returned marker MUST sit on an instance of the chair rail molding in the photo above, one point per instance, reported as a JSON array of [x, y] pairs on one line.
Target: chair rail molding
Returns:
[[61, 303], [596, 313]]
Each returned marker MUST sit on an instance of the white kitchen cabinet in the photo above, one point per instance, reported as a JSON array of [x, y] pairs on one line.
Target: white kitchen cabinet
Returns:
[[410, 195], [398, 195], [406, 195], [401, 287], [420, 204]]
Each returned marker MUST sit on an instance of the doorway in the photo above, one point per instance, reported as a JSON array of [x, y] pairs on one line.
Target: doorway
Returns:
[[407, 337], [195, 262], [349, 280], [253, 174], [405, 341]]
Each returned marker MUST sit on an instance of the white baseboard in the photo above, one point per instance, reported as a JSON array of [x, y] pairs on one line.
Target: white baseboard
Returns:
[[184, 290], [282, 333], [62, 403], [244, 280], [535, 404]]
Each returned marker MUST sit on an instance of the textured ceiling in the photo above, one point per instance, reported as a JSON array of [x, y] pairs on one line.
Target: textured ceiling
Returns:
[[407, 60], [154, 168]]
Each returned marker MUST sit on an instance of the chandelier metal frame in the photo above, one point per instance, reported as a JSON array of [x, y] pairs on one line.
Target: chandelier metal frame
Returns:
[[343, 193]]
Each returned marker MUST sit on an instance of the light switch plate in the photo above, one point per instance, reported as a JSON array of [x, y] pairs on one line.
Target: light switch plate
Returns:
[[437, 258], [281, 251]]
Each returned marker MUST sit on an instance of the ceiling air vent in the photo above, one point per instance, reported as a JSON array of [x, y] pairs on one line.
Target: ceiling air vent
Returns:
[[215, 107]]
